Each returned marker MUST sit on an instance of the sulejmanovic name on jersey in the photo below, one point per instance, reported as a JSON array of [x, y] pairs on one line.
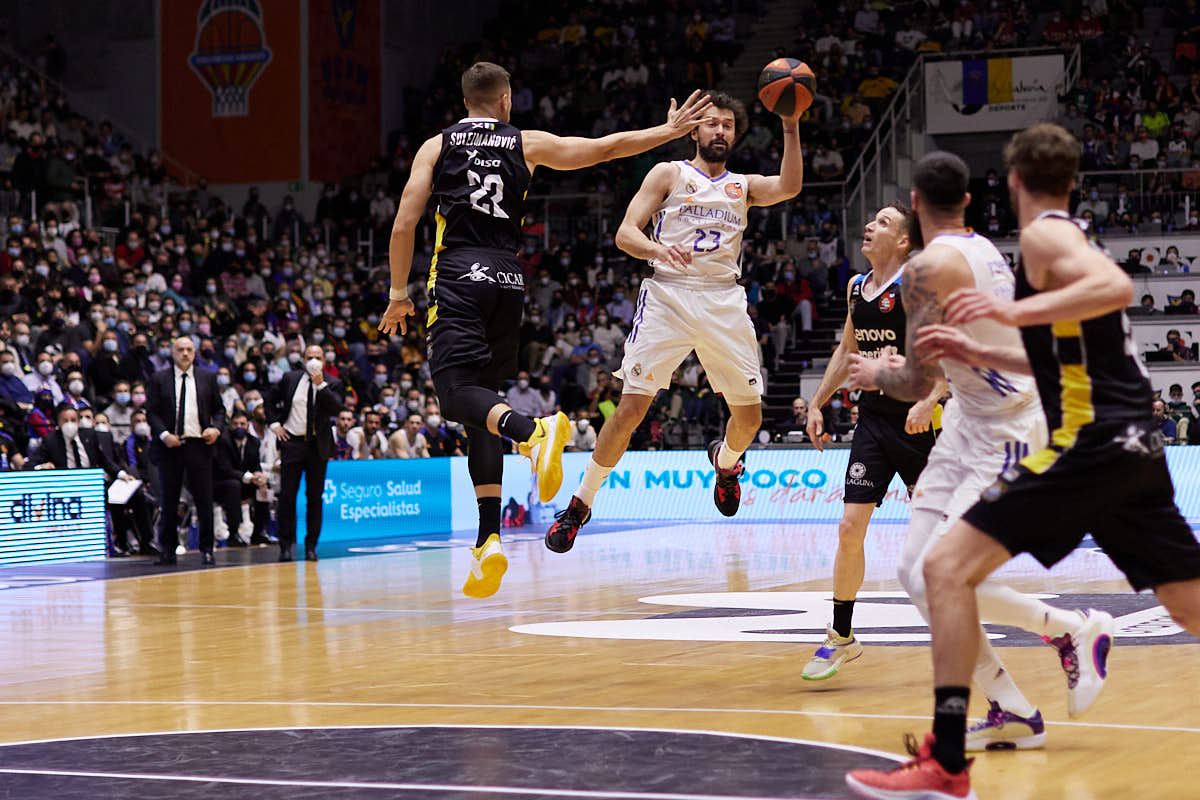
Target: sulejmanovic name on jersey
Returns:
[[879, 326], [986, 391], [707, 216], [477, 139], [1087, 372], [479, 185]]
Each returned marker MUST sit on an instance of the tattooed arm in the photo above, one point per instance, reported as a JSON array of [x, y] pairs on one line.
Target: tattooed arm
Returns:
[[928, 280]]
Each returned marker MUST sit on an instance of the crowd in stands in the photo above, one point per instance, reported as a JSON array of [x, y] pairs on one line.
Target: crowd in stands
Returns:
[[1136, 111], [88, 312]]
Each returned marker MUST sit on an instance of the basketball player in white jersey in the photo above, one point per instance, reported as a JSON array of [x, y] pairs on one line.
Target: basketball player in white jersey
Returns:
[[697, 212], [993, 420]]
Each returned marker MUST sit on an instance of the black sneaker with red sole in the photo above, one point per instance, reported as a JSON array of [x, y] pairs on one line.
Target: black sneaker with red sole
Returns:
[[727, 492], [561, 536]]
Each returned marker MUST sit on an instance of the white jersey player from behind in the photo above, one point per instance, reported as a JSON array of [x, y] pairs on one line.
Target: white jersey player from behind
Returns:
[[993, 420], [696, 211]]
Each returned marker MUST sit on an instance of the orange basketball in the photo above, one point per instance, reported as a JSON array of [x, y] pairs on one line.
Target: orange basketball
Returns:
[[786, 86]]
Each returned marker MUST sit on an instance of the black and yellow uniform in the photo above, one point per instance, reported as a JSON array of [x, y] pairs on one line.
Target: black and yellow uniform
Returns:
[[476, 285], [880, 447], [1104, 471]]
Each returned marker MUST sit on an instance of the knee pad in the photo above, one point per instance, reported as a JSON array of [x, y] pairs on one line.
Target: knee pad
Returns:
[[462, 398]]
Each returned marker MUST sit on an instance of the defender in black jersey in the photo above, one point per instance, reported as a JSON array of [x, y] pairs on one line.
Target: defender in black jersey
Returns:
[[477, 172], [892, 436], [1104, 472]]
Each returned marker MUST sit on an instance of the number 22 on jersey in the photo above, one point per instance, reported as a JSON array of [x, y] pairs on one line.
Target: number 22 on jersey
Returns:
[[488, 183]]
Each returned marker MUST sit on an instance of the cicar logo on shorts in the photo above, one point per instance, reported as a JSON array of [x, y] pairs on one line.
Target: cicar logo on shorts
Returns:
[[509, 280]]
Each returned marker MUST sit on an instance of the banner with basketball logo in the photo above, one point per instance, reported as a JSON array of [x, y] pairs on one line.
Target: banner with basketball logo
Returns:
[[230, 83], [344, 63], [991, 94]]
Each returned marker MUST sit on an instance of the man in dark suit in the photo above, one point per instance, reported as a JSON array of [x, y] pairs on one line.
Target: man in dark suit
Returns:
[[71, 447], [133, 514], [186, 418], [299, 413], [238, 476]]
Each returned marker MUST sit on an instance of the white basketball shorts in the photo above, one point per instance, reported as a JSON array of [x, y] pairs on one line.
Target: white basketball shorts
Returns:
[[672, 320], [970, 454]]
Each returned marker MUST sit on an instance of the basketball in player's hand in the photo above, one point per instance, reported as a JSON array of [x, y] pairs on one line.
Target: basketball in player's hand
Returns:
[[786, 87]]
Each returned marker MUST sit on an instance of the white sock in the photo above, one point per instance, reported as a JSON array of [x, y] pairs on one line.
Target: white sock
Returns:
[[1004, 605], [594, 476], [727, 457], [997, 684]]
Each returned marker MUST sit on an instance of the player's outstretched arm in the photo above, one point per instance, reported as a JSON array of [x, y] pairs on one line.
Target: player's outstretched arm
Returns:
[[575, 152], [631, 237], [404, 228], [929, 279], [1079, 282], [837, 371], [769, 190]]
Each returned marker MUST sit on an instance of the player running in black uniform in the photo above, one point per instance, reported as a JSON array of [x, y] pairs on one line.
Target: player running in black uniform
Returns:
[[892, 436], [1103, 473], [477, 171]]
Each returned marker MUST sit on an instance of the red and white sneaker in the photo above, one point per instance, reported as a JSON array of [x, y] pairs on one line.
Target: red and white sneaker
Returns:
[[923, 778], [727, 492]]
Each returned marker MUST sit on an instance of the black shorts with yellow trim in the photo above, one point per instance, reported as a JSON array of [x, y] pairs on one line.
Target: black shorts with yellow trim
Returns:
[[880, 449], [1114, 484], [476, 302]]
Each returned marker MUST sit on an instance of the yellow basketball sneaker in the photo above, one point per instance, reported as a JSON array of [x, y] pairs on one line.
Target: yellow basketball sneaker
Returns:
[[488, 566], [544, 450]]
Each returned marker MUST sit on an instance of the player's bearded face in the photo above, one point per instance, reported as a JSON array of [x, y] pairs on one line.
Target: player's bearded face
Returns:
[[714, 138]]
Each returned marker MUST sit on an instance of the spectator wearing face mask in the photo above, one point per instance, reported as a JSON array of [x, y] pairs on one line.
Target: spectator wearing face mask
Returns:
[[120, 411], [42, 378], [583, 436], [547, 398], [61, 335], [138, 364], [237, 478], [15, 395], [105, 370], [522, 397], [1094, 203], [389, 407], [19, 345], [300, 411], [439, 440], [608, 334], [621, 308], [69, 446], [226, 391], [586, 343], [536, 339], [380, 378], [76, 391]]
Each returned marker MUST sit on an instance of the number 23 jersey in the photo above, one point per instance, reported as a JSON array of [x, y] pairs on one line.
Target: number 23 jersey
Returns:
[[706, 216], [479, 185]]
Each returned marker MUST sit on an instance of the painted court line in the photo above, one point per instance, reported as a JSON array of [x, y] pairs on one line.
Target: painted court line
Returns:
[[404, 787], [849, 748], [537, 707]]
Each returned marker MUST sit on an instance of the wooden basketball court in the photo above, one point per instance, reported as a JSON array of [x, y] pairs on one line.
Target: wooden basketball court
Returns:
[[398, 684]]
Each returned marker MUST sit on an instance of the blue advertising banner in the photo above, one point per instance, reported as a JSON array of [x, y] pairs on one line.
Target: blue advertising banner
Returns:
[[802, 485], [51, 515], [382, 499]]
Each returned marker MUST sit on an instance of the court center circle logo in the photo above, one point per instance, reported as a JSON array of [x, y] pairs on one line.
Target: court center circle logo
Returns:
[[857, 470]]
